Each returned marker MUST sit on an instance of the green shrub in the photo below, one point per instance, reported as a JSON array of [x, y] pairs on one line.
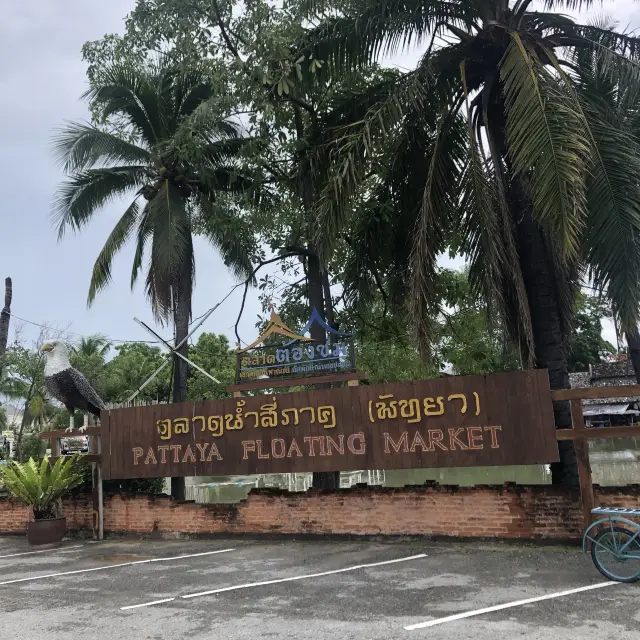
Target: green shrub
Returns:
[[41, 486]]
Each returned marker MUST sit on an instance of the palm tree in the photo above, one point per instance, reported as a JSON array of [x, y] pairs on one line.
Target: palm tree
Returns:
[[91, 346], [175, 155], [497, 143]]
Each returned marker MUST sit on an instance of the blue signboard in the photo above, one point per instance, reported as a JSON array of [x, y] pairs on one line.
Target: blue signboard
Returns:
[[280, 352]]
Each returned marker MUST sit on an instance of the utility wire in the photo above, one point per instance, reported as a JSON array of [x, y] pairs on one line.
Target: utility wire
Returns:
[[115, 340]]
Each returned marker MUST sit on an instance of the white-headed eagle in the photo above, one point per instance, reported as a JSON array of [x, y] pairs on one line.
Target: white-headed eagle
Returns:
[[67, 384]]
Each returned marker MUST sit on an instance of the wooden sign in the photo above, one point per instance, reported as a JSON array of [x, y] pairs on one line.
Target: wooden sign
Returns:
[[500, 419]]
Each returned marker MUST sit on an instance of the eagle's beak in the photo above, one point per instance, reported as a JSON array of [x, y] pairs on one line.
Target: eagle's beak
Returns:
[[46, 347]]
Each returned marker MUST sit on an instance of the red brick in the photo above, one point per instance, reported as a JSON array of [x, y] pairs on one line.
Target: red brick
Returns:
[[504, 512]]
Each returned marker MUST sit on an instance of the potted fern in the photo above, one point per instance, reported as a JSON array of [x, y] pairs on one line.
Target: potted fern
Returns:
[[41, 487]]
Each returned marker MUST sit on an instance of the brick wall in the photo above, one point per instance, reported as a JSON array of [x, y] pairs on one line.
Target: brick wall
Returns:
[[506, 512]]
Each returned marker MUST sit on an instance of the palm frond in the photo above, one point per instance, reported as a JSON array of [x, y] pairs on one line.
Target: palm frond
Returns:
[[377, 28], [142, 237], [196, 133], [78, 147], [195, 90], [613, 225], [572, 5], [130, 93], [219, 152], [439, 200], [230, 234], [605, 99], [546, 141], [479, 221], [171, 267], [101, 275], [353, 148], [85, 192]]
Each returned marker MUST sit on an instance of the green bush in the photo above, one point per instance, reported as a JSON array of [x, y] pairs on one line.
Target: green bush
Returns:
[[143, 485], [32, 447]]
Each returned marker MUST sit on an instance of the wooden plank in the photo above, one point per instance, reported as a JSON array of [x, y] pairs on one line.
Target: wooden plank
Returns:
[[61, 433], [297, 382], [584, 466], [105, 443], [546, 409], [605, 433], [84, 457], [592, 393], [510, 427]]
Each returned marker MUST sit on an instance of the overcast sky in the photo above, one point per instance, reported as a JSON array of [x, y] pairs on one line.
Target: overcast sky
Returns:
[[41, 78]]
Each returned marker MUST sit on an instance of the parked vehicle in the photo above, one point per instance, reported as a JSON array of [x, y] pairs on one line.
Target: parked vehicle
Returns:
[[69, 446]]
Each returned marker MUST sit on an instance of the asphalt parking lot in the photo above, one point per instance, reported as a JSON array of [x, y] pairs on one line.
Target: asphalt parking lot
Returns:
[[230, 589]]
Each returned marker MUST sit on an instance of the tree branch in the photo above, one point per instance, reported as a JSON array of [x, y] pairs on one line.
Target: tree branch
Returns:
[[383, 293], [223, 30], [301, 251], [248, 281]]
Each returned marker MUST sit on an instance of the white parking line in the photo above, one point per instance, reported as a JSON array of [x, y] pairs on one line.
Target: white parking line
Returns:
[[28, 553], [147, 604], [507, 605], [266, 582], [113, 566]]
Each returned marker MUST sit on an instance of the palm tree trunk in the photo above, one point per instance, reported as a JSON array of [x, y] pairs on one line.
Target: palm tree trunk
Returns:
[[5, 317], [633, 342], [181, 315], [549, 340]]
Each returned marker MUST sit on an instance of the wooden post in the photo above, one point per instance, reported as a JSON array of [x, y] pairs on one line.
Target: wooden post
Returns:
[[581, 446], [96, 490], [55, 447]]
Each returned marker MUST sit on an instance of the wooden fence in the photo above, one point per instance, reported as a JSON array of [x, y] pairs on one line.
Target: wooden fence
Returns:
[[580, 434]]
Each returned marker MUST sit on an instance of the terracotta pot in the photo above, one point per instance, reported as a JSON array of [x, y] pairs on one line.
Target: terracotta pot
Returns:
[[46, 534]]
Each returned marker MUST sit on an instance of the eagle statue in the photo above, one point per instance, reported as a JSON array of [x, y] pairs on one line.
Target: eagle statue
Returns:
[[67, 384]]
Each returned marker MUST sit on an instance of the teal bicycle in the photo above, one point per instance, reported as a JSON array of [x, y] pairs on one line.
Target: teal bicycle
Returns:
[[615, 543]]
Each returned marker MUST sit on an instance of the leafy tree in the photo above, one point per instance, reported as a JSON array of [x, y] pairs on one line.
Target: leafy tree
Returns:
[[212, 353], [130, 368], [495, 143], [467, 337], [133, 363], [586, 344], [89, 356], [24, 382], [286, 105], [175, 154], [32, 447]]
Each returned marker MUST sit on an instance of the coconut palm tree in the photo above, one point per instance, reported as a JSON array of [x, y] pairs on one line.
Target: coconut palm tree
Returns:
[[92, 346], [172, 152], [175, 156], [495, 144]]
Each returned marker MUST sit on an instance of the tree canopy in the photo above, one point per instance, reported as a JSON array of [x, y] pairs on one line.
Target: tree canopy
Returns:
[[275, 131]]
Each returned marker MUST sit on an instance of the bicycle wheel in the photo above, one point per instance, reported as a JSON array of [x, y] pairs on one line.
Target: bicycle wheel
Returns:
[[609, 562]]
